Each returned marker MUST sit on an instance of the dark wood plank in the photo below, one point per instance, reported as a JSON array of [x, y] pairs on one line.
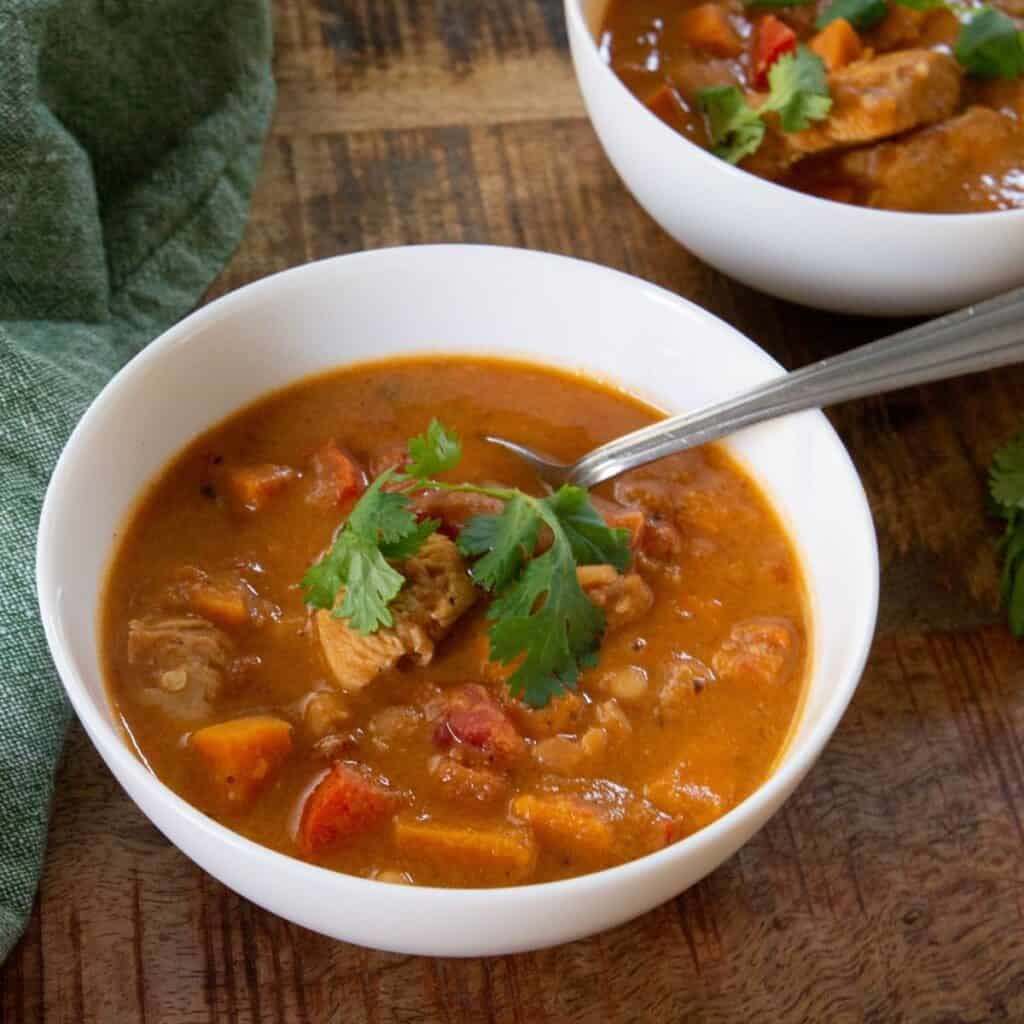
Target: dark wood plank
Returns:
[[890, 888]]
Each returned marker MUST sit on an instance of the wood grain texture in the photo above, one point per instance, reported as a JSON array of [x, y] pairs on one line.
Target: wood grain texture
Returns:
[[889, 889]]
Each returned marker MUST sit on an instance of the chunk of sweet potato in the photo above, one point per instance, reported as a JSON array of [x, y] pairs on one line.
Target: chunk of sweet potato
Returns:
[[222, 604], [486, 856], [837, 44], [241, 755], [344, 804], [253, 486], [692, 801], [707, 27], [566, 825]]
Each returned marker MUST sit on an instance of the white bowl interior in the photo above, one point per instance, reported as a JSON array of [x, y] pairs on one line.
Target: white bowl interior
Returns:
[[447, 299]]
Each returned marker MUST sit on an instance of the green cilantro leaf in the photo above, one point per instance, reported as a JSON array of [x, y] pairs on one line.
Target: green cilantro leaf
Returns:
[[990, 45], [861, 14], [356, 568], [435, 451], [506, 541], [1011, 583], [380, 527], [541, 617], [922, 5], [735, 128], [546, 619], [774, 4], [798, 86], [407, 546], [381, 515], [1006, 490], [370, 586], [593, 542], [798, 92]]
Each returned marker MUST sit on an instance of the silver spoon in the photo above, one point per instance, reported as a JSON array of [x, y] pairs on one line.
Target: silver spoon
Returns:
[[980, 337]]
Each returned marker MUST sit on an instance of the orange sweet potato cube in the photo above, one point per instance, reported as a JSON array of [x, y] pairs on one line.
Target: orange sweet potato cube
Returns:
[[566, 825], [242, 755], [484, 856]]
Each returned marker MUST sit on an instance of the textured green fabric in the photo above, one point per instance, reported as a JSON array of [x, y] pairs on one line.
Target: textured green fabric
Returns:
[[130, 137]]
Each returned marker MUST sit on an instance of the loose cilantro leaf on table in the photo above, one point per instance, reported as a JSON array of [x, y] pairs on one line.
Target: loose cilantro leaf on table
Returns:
[[990, 45], [798, 93], [861, 14], [541, 617], [1006, 488]]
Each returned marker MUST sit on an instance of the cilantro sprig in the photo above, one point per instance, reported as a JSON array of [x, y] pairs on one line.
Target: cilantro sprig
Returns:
[[540, 616], [797, 92], [990, 45], [380, 529], [1006, 489]]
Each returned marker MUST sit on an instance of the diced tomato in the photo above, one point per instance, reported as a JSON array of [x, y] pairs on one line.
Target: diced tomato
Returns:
[[773, 39], [474, 717], [345, 804], [338, 478]]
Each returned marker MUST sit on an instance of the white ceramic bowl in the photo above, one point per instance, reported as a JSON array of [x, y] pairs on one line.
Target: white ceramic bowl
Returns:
[[824, 254], [451, 299]]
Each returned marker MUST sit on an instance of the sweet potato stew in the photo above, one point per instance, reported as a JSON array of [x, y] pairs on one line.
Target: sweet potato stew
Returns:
[[914, 105], [346, 627]]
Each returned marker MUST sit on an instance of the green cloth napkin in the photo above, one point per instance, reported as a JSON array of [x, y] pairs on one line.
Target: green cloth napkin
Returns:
[[130, 137]]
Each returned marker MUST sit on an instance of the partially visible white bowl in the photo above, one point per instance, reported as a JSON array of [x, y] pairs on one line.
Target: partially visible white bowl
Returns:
[[830, 255], [462, 299]]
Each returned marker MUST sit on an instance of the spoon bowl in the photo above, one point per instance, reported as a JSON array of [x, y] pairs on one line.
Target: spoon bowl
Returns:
[[979, 337]]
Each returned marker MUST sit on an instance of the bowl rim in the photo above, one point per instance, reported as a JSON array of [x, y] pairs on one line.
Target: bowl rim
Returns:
[[576, 23], [114, 747]]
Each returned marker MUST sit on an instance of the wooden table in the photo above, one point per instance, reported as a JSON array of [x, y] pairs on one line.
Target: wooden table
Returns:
[[890, 888]]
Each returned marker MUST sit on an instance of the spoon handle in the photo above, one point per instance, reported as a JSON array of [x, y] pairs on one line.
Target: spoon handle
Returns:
[[979, 337]]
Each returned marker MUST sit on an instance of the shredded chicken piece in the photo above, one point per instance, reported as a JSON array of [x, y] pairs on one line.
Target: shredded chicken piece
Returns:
[[437, 591]]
